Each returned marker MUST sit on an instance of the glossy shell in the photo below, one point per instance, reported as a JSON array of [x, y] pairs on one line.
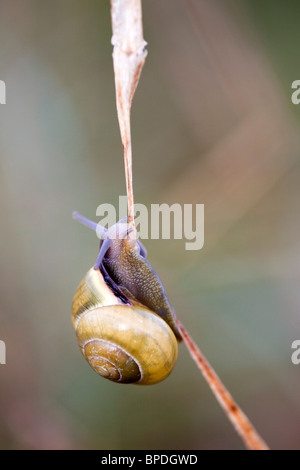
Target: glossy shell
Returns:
[[123, 343]]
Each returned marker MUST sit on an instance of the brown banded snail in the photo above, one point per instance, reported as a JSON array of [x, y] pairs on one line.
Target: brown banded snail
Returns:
[[125, 325]]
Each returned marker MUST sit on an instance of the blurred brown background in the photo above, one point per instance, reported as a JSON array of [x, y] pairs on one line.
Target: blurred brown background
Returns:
[[212, 123]]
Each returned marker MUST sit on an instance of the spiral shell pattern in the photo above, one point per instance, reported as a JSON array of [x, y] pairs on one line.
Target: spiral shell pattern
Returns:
[[123, 343]]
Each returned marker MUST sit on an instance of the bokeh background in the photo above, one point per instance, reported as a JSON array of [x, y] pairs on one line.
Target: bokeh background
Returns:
[[212, 123]]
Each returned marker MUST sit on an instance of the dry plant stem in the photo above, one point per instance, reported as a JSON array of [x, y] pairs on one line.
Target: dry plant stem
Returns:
[[128, 58], [239, 420]]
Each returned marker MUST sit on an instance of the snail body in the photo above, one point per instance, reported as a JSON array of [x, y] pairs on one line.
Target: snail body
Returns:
[[124, 323]]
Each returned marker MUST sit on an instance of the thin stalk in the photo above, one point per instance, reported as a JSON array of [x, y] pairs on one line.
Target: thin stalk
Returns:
[[128, 175], [243, 426], [129, 55]]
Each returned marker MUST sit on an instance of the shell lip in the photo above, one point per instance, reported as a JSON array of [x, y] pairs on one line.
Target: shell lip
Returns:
[[127, 298], [113, 286]]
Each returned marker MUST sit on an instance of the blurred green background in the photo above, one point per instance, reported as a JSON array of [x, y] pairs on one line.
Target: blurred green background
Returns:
[[212, 123]]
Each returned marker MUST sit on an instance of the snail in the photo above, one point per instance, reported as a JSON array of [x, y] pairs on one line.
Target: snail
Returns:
[[124, 322]]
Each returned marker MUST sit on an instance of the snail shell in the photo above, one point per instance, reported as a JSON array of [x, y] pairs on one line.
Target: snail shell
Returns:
[[123, 343]]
